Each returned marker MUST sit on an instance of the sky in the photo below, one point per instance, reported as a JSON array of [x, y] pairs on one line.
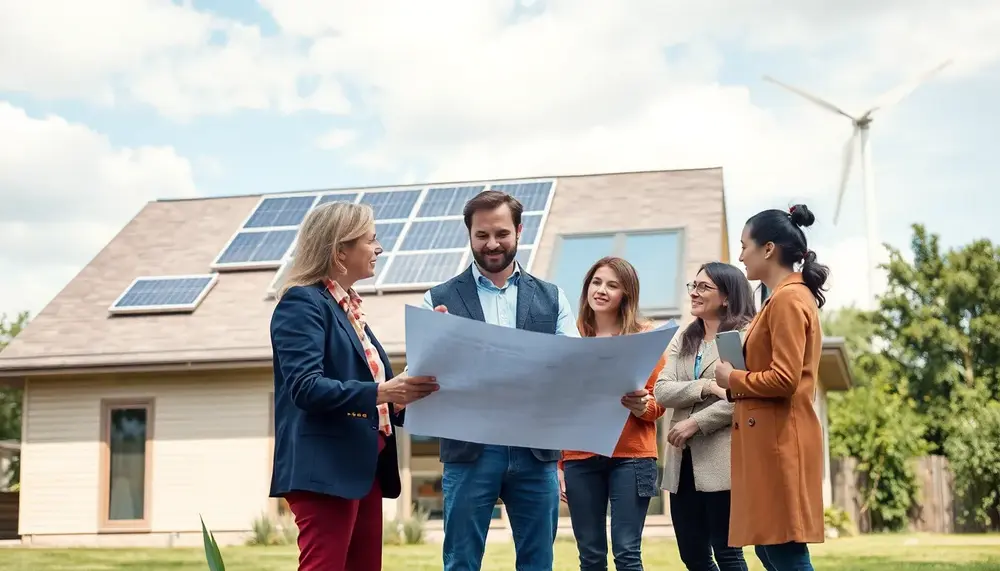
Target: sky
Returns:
[[108, 104]]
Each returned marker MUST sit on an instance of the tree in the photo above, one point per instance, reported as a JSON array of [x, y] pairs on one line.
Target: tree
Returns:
[[876, 423], [10, 398], [940, 318]]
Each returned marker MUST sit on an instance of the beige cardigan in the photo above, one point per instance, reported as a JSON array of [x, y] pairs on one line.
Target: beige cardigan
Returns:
[[677, 389]]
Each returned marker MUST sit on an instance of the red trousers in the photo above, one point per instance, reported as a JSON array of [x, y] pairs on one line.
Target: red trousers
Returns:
[[337, 534]]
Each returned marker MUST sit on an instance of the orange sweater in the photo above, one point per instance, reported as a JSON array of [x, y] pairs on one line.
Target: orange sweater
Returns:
[[638, 439]]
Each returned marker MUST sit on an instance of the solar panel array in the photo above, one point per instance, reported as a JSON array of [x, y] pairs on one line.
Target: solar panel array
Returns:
[[164, 294], [422, 231]]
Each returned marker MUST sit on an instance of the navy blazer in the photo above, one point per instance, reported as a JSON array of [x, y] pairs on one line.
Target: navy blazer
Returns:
[[325, 419]]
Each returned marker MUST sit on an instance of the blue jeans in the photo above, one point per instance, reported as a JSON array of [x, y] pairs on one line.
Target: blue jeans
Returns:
[[628, 484], [529, 489], [785, 557]]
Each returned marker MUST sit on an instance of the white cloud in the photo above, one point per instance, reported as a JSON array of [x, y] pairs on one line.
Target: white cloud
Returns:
[[336, 139], [464, 89], [66, 191], [181, 61]]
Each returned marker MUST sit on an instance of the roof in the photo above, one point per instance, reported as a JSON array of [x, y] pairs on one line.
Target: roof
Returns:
[[834, 365], [229, 327]]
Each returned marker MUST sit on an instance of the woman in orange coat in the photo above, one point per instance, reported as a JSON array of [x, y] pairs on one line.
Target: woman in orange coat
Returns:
[[777, 442]]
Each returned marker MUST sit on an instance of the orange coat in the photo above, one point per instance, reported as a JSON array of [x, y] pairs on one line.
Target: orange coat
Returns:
[[777, 442]]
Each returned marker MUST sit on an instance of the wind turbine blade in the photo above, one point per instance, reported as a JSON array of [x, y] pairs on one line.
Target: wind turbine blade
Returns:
[[822, 103], [897, 94], [845, 172]]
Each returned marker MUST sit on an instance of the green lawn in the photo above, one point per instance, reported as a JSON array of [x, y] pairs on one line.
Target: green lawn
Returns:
[[881, 553]]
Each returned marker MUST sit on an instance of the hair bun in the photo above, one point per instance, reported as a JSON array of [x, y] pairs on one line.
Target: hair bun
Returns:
[[801, 216]]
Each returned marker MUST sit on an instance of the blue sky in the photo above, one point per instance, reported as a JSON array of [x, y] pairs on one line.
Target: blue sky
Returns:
[[123, 101]]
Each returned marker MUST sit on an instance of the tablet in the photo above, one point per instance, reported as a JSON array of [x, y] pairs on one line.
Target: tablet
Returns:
[[731, 349]]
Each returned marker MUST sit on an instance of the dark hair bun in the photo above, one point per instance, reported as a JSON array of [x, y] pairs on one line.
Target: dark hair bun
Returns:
[[801, 216]]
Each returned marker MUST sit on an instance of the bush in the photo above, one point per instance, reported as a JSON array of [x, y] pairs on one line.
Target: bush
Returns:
[[973, 449], [881, 428], [408, 531], [268, 530], [838, 522]]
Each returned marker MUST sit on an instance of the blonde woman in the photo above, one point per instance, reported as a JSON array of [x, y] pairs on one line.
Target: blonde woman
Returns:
[[336, 402]]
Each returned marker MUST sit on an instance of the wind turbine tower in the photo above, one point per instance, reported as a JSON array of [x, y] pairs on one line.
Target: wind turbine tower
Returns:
[[860, 137]]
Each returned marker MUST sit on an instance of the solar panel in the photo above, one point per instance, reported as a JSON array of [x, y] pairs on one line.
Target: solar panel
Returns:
[[340, 197], [421, 230], [164, 294], [436, 235], [447, 201], [426, 269], [257, 249], [278, 212], [388, 233], [532, 195], [392, 205]]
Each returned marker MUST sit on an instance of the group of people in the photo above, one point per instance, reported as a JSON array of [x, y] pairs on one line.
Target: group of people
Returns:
[[745, 456]]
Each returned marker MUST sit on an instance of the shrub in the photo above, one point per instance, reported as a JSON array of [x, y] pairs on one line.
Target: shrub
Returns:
[[838, 522], [973, 449], [268, 530], [881, 428]]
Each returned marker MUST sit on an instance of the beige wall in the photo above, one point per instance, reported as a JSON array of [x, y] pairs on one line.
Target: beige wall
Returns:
[[211, 453]]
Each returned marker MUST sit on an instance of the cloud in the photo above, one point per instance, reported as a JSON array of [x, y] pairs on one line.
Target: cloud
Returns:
[[180, 61], [66, 191]]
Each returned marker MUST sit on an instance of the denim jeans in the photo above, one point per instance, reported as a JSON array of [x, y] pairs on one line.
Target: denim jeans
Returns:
[[701, 525], [628, 484], [785, 557], [529, 489]]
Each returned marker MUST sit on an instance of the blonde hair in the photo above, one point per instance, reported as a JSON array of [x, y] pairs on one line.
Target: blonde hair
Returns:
[[326, 229]]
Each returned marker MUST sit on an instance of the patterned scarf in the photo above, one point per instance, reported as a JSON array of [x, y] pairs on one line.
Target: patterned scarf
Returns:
[[350, 302]]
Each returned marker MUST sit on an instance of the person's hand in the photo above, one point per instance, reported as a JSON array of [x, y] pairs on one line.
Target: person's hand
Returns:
[[681, 432], [441, 309], [716, 390], [562, 487], [722, 372], [636, 401], [404, 389]]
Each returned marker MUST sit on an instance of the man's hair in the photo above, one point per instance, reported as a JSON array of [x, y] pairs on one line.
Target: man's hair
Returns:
[[491, 200]]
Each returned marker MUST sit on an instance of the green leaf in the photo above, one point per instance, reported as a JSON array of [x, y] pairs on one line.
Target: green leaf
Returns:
[[212, 553]]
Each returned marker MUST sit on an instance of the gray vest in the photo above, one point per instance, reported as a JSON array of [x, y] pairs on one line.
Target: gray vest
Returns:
[[537, 310]]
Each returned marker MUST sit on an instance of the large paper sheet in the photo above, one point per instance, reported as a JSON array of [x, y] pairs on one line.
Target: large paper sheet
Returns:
[[501, 385]]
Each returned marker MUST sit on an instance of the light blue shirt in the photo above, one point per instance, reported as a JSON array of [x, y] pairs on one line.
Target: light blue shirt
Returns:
[[500, 304]]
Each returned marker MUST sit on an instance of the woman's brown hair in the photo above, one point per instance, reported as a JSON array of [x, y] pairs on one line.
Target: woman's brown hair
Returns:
[[628, 311]]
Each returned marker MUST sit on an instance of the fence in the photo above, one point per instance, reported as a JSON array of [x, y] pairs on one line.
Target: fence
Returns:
[[935, 509], [9, 505]]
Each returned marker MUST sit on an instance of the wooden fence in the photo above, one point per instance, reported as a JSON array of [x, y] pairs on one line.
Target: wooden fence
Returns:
[[9, 505], [935, 509]]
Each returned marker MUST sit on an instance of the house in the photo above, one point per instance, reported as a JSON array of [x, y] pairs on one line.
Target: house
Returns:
[[148, 387]]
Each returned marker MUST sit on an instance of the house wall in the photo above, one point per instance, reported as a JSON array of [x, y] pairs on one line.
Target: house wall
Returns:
[[211, 456]]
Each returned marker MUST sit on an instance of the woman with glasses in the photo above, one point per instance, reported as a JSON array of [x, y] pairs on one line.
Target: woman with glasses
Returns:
[[696, 470]]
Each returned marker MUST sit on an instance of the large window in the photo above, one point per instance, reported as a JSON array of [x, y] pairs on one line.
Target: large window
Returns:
[[126, 439], [656, 255]]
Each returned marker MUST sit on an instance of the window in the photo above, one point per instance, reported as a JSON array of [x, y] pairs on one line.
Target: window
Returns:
[[126, 450], [656, 255]]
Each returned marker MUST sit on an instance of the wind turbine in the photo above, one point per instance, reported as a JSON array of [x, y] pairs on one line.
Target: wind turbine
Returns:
[[860, 133]]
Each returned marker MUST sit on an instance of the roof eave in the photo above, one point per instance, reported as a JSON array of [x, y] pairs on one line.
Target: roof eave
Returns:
[[835, 369]]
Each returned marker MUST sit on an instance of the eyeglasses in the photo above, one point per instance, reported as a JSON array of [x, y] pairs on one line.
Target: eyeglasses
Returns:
[[700, 287]]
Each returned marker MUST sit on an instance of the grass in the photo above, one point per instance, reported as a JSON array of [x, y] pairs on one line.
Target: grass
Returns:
[[874, 552]]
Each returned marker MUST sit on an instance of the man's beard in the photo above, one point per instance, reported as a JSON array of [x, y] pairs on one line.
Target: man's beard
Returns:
[[494, 267]]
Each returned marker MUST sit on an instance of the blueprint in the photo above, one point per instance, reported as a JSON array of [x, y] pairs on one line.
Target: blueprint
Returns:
[[501, 385]]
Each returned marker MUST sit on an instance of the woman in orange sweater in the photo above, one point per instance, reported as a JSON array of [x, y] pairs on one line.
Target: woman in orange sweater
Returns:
[[609, 305]]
